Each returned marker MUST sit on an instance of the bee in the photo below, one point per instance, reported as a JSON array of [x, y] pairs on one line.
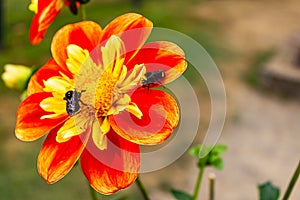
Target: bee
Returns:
[[72, 98], [154, 77]]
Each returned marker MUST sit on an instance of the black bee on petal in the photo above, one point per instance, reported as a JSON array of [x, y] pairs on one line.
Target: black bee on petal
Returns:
[[72, 98], [154, 77]]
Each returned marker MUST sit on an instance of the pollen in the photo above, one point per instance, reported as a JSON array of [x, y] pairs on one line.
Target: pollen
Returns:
[[104, 93]]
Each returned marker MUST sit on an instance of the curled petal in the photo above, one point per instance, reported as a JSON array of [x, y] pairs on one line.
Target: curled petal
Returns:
[[75, 125], [57, 159], [161, 55], [111, 169], [68, 130], [50, 69], [111, 54], [29, 124], [55, 105], [133, 80], [85, 34], [58, 85], [98, 135], [160, 117], [76, 56], [134, 109], [46, 13]]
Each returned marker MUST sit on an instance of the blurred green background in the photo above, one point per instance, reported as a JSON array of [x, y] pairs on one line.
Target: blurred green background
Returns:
[[261, 130]]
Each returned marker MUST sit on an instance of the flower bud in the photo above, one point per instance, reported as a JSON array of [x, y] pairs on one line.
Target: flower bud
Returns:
[[16, 76], [33, 6]]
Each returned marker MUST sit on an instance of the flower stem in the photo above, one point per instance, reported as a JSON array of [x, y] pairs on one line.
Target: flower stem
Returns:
[[93, 193], [82, 13], [292, 183], [142, 188], [212, 178], [198, 184]]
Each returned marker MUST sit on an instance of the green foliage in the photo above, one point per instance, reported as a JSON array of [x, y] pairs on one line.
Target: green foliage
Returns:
[[268, 191], [181, 195], [209, 156]]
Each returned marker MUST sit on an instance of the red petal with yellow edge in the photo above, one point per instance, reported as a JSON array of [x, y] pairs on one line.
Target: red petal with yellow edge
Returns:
[[47, 12], [29, 124], [160, 117], [57, 159], [161, 55], [85, 34], [114, 168], [50, 69], [134, 29]]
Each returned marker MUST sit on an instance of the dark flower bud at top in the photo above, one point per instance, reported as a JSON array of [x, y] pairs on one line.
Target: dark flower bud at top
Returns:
[[73, 7], [83, 1]]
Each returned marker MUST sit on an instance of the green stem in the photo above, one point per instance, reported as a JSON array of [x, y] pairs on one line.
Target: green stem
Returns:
[[198, 184], [82, 13], [292, 182], [142, 188], [93, 193]]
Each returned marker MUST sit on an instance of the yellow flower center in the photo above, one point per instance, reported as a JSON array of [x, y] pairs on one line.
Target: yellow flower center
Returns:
[[103, 91]]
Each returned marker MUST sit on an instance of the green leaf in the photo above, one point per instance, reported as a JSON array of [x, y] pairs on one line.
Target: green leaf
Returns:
[[268, 191], [220, 149], [194, 151], [181, 195], [209, 155], [217, 163], [200, 152], [204, 151]]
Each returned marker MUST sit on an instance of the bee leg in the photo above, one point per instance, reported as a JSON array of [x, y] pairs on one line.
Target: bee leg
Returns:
[[82, 102], [80, 99]]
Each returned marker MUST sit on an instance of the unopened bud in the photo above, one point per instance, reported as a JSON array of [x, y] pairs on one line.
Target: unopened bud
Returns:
[[33, 6], [16, 76]]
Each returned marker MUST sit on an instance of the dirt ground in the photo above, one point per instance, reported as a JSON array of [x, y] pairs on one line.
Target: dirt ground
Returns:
[[262, 130]]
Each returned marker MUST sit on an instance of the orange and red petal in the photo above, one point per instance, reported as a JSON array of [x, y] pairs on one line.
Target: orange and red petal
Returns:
[[85, 34], [112, 169], [29, 124], [47, 12], [50, 69], [132, 28], [160, 117], [57, 159], [161, 55]]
